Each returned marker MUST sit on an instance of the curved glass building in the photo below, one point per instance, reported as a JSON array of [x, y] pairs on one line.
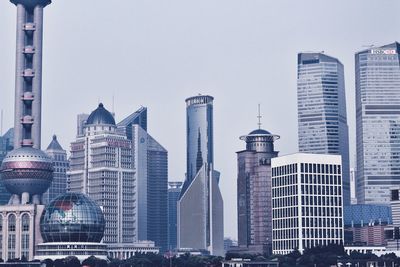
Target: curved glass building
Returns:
[[200, 205], [72, 217], [199, 137], [72, 225]]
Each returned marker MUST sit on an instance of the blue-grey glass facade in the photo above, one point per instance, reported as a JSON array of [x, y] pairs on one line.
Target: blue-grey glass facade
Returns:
[[200, 205], [377, 122], [6, 145], [173, 196], [157, 194], [150, 161], [138, 117], [321, 103], [366, 214], [199, 137], [60, 165]]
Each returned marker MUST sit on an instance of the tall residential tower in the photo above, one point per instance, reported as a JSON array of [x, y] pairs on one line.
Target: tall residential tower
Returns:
[[321, 103], [200, 205], [377, 122]]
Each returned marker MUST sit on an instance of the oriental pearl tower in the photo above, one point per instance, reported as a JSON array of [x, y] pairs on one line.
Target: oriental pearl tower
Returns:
[[27, 171]]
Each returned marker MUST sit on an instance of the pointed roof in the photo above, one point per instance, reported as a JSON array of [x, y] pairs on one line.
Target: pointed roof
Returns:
[[54, 144]]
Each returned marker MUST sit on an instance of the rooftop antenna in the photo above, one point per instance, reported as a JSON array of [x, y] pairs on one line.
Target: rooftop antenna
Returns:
[[259, 116]]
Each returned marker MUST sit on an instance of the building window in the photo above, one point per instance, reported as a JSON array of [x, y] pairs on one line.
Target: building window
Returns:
[[11, 236], [25, 236]]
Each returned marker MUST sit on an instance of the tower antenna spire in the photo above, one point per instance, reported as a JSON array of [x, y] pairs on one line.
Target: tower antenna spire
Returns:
[[259, 116]]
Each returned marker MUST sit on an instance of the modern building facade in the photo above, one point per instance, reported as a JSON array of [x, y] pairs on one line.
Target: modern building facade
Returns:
[[60, 166], [307, 208], [199, 135], [150, 161], [80, 123], [353, 179], [6, 145], [377, 122], [200, 205], [254, 191], [392, 231], [174, 191], [101, 167], [322, 117], [139, 117], [364, 224]]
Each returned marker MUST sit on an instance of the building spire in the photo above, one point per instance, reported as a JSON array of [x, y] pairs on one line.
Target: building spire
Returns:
[[259, 117]]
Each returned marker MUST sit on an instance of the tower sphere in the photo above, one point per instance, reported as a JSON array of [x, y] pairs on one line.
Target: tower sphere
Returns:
[[72, 217], [27, 170]]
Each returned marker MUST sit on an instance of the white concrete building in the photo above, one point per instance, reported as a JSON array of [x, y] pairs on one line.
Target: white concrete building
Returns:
[[101, 167], [307, 206]]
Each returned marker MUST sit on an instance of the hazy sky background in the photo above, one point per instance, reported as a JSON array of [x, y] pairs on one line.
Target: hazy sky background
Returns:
[[157, 53]]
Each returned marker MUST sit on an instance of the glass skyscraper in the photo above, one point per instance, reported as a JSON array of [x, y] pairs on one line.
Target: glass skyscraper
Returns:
[[377, 122], [174, 191], [200, 205], [321, 104], [150, 161], [199, 137]]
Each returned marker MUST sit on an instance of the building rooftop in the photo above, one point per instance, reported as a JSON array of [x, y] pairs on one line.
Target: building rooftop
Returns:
[[100, 116], [31, 3], [259, 131], [54, 144]]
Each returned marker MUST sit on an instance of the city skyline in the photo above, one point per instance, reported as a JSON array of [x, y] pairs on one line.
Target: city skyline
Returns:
[[258, 80]]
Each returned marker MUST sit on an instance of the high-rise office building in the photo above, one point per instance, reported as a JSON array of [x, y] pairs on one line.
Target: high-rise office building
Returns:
[[377, 122], [174, 191], [307, 208], [353, 198], [6, 145], [101, 167], [150, 161], [392, 232], [199, 135], [321, 103], [200, 205], [60, 165], [139, 117], [254, 191], [80, 123]]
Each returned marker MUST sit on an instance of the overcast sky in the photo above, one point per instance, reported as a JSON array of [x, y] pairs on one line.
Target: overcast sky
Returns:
[[156, 53]]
